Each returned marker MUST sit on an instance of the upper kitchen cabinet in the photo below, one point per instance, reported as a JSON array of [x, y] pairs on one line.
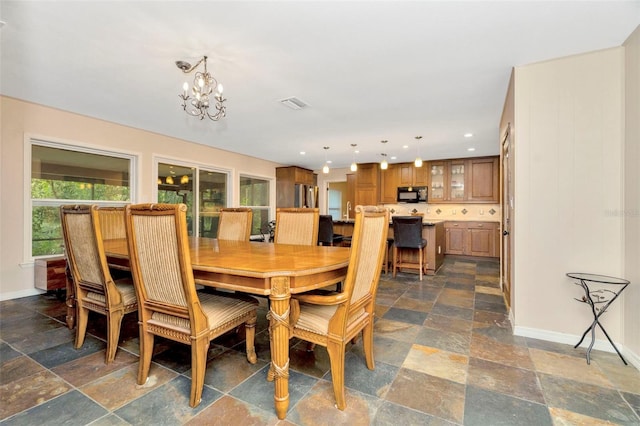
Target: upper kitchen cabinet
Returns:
[[457, 182], [292, 184], [437, 174], [368, 184], [483, 178], [471, 180], [410, 175], [389, 183]]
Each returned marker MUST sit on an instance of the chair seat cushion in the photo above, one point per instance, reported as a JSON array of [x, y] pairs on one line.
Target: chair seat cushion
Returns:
[[315, 318], [219, 308], [126, 289]]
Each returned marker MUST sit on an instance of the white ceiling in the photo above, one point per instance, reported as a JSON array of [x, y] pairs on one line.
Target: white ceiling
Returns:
[[369, 70]]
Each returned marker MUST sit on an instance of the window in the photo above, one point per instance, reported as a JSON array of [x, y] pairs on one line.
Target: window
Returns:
[[178, 183], [63, 174], [254, 193]]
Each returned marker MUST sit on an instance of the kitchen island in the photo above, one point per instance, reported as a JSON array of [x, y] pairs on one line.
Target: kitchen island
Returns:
[[432, 231]]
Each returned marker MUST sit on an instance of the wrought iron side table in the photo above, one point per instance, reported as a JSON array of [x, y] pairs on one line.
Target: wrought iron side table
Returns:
[[599, 292]]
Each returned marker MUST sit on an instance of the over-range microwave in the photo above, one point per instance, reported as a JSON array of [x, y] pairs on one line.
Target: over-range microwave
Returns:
[[412, 194]]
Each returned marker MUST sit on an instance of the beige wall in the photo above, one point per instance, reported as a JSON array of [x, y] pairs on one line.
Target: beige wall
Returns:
[[569, 118], [631, 206], [20, 120]]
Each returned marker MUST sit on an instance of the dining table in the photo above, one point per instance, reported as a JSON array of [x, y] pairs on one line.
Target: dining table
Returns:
[[262, 268]]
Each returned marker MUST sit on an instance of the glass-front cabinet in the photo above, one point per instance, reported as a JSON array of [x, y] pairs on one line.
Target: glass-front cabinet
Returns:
[[456, 189], [437, 186]]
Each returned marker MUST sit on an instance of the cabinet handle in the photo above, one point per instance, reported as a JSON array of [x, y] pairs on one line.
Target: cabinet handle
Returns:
[[480, 225]]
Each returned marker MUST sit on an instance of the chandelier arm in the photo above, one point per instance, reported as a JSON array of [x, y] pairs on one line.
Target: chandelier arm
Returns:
[[193, 67]]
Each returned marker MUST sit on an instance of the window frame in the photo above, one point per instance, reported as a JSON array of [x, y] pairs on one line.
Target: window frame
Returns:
[[30, 203], [198, 167], [271, 205]]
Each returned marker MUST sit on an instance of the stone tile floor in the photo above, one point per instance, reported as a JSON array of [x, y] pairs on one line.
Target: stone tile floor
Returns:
[[444, 351]]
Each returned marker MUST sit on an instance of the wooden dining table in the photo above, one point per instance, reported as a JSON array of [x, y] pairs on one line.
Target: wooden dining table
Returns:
[[273, 270]]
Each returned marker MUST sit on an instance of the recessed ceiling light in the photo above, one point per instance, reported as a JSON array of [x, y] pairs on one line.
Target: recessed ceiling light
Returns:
[[302, 153], [405, 146], [393, 157], [471, 149], [329, 161], [468, 135]]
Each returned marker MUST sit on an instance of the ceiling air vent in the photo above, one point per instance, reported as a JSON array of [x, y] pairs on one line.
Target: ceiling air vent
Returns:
[[293, 103]]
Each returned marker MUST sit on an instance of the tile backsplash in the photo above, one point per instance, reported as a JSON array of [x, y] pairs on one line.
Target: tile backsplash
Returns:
[[486, 212]]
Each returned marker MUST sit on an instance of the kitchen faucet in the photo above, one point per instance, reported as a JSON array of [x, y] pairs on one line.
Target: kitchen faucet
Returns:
[[348, 208]]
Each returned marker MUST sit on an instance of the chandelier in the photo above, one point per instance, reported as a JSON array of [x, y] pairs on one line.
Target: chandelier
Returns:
[[196, 101]]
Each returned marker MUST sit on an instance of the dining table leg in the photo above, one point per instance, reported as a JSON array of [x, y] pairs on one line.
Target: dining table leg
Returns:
[[279, 335]]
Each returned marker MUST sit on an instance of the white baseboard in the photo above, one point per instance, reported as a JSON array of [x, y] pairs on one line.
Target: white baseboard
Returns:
[[21, 293], [571, 339]]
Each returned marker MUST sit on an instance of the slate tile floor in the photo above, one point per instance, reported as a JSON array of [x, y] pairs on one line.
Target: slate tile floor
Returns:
[[444, 350]]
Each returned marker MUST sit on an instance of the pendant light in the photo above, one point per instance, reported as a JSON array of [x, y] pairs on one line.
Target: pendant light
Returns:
[[384, 164], [325, 168], [418, 162], [354, 165]]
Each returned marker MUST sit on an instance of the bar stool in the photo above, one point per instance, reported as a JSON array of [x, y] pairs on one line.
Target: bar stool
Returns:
[[407, 232]]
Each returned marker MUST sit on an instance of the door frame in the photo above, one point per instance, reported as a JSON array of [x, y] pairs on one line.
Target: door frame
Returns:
[[508, 211]]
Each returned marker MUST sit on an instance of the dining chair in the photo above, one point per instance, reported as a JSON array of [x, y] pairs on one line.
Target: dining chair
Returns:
[[112, 223], [407, 234], [93, 286], [169, 305], [235, 224], [297, 226], [333, 320], [326, 236]]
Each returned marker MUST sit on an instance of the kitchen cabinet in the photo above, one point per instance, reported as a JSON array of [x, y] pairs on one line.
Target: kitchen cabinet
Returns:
[[483, 238], [410, 175], [474, 238], [351, 196], [457, 181], [470, 180], [288, 181], [437, 181], [421, 175], [483, 177], [368, 184], [389, 182], [455, 238]]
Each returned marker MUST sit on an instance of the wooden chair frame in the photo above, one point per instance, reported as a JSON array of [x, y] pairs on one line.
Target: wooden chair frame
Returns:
[[94, 288], [350, 312], [159, 256]]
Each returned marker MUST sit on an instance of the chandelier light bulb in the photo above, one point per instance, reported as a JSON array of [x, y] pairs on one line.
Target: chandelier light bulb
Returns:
[[220, 88], [418, 162], [354, 167], [325, 169]]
